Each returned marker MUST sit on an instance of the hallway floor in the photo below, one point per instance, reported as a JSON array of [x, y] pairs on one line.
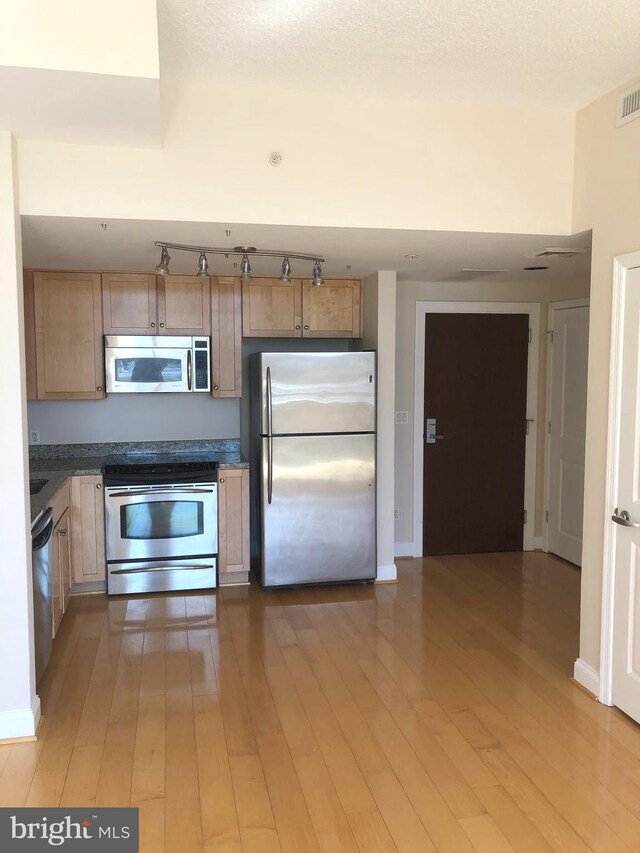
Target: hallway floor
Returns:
[[432, 715]]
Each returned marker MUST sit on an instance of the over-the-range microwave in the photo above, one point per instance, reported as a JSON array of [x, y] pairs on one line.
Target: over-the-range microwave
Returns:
[[156, 365]]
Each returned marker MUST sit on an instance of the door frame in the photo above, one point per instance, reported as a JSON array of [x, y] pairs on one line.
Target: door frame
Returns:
[[621, 267], [422, 309], [553, 308]]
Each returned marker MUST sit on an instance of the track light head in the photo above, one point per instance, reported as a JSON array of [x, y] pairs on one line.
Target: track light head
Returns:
[[285, 275], [317, 274], [245, 268], [163, 266], [203, 265]]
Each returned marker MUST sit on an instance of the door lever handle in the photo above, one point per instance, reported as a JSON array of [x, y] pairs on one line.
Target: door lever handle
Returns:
[[431, 436], [623, 518]]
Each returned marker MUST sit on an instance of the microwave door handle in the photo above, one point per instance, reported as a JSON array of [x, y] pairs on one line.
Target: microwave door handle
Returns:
[[189, 370], [269, 437]]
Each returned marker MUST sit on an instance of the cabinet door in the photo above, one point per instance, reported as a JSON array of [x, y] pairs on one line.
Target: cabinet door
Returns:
[[272, 308], [233, 526], [57, 568], [68, 325], [226, 337], [184, 305], [332, 310], [30, 336], [129, 304], [87, 529], [63, 535]]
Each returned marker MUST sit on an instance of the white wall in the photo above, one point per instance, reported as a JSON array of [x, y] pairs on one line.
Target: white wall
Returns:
[[114, 37], [607, 199], [379, 334], [427, 165], [410, 292], [135, 417], [19, 706]]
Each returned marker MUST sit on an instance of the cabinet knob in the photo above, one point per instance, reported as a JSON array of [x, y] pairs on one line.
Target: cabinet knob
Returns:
[[215, 387], [153, 325], [162, 325], [99, 388], [306, 327], [221, 480], [297, 327], [98, 485]]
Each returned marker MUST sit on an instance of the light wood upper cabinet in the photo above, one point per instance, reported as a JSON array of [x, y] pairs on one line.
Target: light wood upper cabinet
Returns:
[[297, 309], [332, 310], [271, 308], [226, 337], [233, 525], [68, 334], [87, 529], [184, 306], [136, 304], [129, 304], [30, 336]]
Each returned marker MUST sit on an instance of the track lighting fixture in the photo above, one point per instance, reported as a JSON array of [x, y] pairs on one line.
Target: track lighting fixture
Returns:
[[242, 252], [285, 274], [163, 266], [317, 274], [245, 268], [203, 265]]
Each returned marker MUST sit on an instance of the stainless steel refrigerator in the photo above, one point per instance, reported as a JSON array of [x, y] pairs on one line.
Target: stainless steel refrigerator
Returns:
[[314, 474]]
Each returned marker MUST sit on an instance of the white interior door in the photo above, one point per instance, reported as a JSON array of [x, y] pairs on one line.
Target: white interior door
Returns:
[[626, 533], [567, 419]]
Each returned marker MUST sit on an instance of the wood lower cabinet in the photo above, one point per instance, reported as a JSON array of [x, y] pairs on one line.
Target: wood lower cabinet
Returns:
[[233, 526], [129, 304], [272, 308], [60, 555], [226, 337], [68, 336], [297, 309], [87, 530], [332, 310]]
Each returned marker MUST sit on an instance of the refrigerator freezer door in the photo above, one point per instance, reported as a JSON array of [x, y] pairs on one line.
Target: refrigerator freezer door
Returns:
[[318, 392], [321, 523]]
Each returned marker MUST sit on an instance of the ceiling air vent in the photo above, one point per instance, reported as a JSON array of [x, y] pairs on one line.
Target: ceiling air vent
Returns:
[[557, 252], [628, 106]]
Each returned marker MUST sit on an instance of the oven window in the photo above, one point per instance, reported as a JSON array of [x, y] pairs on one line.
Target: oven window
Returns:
[[148, 369], [162, 520]]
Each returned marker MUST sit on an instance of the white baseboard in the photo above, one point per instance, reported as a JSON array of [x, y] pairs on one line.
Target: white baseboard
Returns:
[[587, 676], [403, 549], [537, 543], [387, 573], [22, 723]]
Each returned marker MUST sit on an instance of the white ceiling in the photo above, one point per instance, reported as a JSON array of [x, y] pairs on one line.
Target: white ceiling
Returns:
[[544, 53], [128, 245]]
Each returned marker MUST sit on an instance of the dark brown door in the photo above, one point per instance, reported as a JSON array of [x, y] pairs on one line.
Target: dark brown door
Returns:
[[476, 390]]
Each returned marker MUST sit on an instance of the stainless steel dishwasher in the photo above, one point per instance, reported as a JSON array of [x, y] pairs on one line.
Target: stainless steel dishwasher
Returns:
[[42, 619]]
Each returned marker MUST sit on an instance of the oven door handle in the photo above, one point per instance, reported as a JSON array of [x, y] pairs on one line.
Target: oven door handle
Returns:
[[153, 492], [182, 567]]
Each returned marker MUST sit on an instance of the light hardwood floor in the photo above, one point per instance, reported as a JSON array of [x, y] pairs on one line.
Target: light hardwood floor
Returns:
[[432, 715]]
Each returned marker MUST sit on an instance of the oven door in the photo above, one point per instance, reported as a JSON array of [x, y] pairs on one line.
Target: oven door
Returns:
[[158, 522], [134, 370]]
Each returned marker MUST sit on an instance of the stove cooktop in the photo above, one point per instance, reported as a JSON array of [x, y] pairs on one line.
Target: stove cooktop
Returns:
[[150, 473]]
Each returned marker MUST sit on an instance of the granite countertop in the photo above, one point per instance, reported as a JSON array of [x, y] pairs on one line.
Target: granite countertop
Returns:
[[57, 462]]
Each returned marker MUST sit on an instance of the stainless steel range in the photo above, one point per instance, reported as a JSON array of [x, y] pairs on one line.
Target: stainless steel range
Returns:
[[161, 526]]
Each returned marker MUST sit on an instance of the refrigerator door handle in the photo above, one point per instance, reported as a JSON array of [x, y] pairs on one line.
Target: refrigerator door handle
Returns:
[[269, 438]]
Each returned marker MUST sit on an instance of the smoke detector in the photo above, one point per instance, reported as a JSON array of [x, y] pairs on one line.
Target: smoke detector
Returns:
[[558, 252]]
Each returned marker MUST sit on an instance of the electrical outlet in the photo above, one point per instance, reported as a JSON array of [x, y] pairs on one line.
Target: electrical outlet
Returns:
[[34, 436], [402, 417], [396, 514]]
